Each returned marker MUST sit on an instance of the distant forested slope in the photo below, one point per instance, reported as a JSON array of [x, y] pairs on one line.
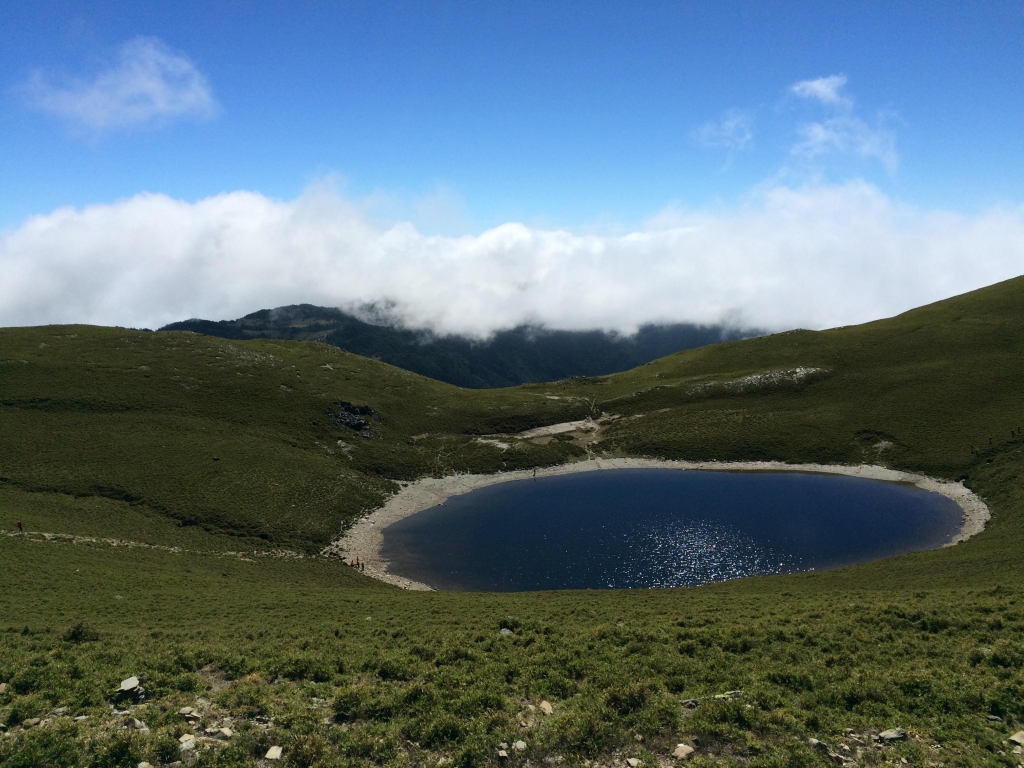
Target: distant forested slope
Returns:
[[521, 355]]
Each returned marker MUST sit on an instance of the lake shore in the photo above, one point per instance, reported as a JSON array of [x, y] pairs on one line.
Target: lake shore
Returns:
[[365, 538]]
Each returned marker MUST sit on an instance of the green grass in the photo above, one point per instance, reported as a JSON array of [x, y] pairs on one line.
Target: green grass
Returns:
[[185, 441]]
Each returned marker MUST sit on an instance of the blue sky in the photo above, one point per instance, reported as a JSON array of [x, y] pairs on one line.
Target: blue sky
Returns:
[[558, 113], [462, 117]]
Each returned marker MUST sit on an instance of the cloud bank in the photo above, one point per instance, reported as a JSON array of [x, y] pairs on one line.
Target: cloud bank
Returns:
[[811, 257], [149, 82]]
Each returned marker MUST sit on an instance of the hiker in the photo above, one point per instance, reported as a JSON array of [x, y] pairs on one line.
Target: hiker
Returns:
[[362, 567], [19, 527]]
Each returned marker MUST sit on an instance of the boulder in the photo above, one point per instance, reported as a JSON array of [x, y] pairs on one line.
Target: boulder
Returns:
[[546, 708], [274, 753], [81, 718], [30, 722], [1018, 738], [3, 687], [186, 737], [145, 765], [505, 632], [224, 733], [185, 711], [682, 752], [502, 754], [129, 684], [634, 762], [519, 746], [893, 734]]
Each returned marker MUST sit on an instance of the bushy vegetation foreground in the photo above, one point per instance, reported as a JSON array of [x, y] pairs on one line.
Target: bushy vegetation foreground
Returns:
[[192, 481]]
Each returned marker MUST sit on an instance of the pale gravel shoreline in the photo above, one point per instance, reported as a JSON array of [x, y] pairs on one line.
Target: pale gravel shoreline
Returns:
[[365, 538]]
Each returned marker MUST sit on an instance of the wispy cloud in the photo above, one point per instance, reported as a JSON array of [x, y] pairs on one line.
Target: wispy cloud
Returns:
[[844, 131], [812, 257], [734, 131], [150, 82], [827, 90]]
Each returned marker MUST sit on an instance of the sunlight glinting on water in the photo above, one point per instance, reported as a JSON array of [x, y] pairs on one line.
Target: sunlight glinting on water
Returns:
[[691, 553]]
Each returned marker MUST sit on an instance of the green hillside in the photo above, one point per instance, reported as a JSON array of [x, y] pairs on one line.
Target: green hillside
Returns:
[[218, 468]]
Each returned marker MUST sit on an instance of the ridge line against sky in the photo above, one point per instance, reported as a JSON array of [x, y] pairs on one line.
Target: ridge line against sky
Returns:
[[573, 165]]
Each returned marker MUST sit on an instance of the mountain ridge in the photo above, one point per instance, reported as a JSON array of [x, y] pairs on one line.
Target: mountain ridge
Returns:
[[521, 355]]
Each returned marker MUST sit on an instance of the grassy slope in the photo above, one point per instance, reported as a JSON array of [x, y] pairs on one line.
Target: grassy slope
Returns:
[[95, 444]]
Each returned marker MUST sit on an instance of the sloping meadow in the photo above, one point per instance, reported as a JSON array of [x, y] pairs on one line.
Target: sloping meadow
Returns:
[[194, 480]]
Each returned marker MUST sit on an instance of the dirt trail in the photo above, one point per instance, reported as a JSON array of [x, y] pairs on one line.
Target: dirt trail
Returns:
[[68, 538]]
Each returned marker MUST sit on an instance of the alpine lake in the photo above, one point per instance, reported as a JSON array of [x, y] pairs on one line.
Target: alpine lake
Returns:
[[649, 528]]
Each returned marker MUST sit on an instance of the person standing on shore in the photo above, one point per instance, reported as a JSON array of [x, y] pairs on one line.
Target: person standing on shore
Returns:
[[19, 527]]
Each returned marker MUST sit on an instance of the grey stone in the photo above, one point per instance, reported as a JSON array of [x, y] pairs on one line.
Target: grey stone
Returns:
[[505, 632], [634, 762], [274, 753], [81, 718], [1018, 738], [682, 752], [129, 684], [502, 754], [546, 708], [59, 711], [30, 722], [519, 746], [893, 734]]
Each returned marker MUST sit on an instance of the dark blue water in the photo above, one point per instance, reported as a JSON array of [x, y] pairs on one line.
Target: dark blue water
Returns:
[[626, 528]]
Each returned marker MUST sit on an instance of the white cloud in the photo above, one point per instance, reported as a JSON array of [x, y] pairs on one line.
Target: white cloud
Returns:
[[827, 90], [150, 82], [844, 132], [811, 257], [733, 132]]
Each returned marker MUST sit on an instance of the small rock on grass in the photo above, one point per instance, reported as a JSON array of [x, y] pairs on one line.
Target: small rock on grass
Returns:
[[546, 708], [634, 762], [145, 765], [519, 746], [3, 687], [1018, 738], [30, 722], [186, 738], [502, 754], [129, 684], [682, 752], [274, 753], [893, 734]]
